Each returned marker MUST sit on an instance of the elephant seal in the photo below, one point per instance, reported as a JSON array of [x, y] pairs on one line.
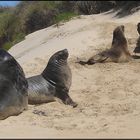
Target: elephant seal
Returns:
[[137, 48], [117, 53], [54, 82], [13, 86]]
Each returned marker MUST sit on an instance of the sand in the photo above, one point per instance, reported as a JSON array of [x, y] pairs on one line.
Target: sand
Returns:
[[108, 94]]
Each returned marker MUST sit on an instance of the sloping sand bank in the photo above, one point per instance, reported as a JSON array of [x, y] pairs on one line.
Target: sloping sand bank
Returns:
[[108, 94]]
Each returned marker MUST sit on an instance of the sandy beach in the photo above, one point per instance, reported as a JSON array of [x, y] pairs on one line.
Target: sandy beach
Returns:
[[108, 94]]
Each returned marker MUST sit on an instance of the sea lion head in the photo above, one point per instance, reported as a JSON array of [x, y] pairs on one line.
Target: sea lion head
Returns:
[[119, 37], [59, 57], [57, 69], [119, 31], [122, 28]]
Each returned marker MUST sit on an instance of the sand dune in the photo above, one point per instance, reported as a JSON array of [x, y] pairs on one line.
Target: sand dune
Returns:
[[108, 94]]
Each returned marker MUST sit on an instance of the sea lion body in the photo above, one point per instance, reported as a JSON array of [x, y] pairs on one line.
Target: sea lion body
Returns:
[[53, 82], [41, 90], [117, 53], [13, 86]]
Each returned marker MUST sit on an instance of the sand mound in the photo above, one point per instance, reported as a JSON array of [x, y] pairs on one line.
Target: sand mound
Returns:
[[107, 94]]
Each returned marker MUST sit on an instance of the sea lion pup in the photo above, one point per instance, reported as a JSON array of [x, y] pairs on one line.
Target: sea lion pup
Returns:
[[54, 81], [137, 48], [118, 51], [13, 86]]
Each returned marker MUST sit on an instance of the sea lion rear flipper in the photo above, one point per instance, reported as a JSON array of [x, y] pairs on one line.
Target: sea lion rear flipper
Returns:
[[82, 62], [99, 58]]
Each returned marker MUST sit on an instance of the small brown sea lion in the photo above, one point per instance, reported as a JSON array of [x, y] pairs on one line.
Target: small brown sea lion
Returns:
[[117, 53]]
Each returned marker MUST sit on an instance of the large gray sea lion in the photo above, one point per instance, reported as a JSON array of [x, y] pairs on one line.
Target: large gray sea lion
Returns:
[[118, 51], [54, 81], [13, 86]]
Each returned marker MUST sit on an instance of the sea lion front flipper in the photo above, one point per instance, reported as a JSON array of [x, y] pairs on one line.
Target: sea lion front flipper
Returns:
[[62, 93]]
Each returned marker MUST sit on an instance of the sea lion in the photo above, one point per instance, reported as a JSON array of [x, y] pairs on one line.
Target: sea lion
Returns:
[[13, 86], [138, 28], [117, 53], [53, 82], [137, 48]]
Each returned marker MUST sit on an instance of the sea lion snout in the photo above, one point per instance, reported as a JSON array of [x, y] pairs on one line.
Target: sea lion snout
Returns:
[[122, 27], [65, 50], [63, 54]]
